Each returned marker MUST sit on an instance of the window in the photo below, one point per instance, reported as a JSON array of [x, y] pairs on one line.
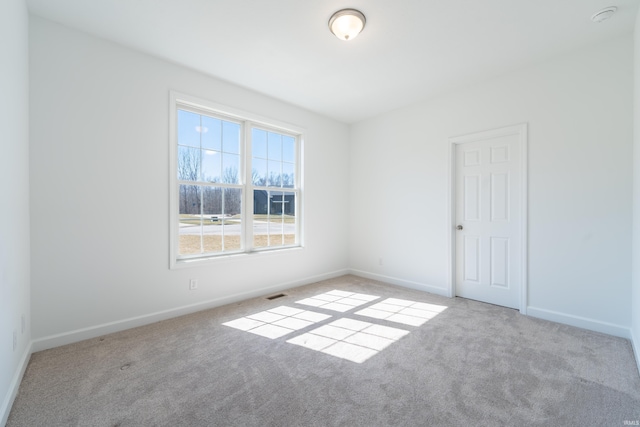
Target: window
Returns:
[[235, 182]]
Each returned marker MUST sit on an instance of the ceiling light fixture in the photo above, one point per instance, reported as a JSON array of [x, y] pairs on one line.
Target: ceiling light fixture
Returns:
[[346, 24], [604, 14]]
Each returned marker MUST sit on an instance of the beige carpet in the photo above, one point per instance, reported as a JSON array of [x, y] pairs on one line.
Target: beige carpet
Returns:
[[370, 354]]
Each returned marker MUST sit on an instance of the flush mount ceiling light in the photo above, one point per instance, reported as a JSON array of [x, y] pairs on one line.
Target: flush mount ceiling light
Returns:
[[604, 14], [346, 24]]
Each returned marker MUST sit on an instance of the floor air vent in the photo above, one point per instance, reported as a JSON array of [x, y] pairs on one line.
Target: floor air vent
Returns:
[[276, 296]]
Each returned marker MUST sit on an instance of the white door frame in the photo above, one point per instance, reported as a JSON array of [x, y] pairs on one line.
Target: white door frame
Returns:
[[521, 131]]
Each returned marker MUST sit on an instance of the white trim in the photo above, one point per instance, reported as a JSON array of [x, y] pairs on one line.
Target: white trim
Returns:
[[580, 322], [451, 220], [232, 257], [132, 322], [522, 131], [247, 202], [173, 192], [400, 282], [635, 344], [524, 217], [7, 403], [237, 114], [300, 201]]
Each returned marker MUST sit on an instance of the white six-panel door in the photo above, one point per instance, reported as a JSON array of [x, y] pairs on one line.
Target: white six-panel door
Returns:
[[488, 219]]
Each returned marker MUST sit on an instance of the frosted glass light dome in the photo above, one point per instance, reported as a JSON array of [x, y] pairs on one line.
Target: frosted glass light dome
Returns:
[[346, 24]]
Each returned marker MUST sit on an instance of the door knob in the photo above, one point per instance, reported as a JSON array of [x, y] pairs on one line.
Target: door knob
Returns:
[[459, 227]]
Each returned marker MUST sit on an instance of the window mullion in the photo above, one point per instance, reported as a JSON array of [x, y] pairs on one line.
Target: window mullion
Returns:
[[200, 196], [210, 184], [281, 191], [201, 189], [224, 215], [296, 193], [269, 218], [247, 220]]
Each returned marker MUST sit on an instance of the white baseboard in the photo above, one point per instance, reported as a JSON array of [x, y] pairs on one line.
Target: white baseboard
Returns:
[[133, 322], [7, 403], [400, 282], [635, 344], [580, 322]]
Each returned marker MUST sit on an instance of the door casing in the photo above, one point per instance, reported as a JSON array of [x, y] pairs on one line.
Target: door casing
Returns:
[[521, 131]]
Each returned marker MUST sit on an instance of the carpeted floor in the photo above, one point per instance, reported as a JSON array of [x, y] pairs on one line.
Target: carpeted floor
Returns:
[[404, 358]]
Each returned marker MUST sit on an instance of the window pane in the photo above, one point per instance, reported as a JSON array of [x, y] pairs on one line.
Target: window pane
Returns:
[[289, 206], [274, 220], [274, 174], [232, 202], [276, 230], [276, 202], [212, 241], [232, 220], [259, 143], [288, 175], [188, 164], [189, 200], [259, 172], [188, 125], [260, 218], [212, 219], [212, 205], [289, 218], [288, 149], [190, 222], [230, 137], [230, 168], [211, 166], [211, 133], [260, 203], [221, 230], [275, 146]]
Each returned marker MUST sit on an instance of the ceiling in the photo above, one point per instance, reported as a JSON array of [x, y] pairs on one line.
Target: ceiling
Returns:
[[409, 50]]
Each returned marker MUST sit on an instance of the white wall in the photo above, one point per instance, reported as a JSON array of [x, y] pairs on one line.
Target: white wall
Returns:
[[99, 191], [579, 111], [14, 192], [635, 298]]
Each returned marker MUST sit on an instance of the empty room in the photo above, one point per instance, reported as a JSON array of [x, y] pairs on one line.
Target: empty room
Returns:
[[294, 213]]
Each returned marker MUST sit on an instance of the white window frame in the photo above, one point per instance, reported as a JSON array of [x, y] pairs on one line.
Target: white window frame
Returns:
[[248, 121]]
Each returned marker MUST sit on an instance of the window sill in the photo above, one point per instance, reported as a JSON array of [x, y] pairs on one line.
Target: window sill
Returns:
[[217, 259]]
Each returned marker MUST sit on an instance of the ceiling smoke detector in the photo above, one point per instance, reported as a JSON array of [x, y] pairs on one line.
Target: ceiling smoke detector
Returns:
[[604, 14]]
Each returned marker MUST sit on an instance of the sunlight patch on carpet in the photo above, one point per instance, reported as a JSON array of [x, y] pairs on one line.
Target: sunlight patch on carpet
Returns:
[[403, 311], [345, 337], [338, 300], [349, 339], [277, 322]]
